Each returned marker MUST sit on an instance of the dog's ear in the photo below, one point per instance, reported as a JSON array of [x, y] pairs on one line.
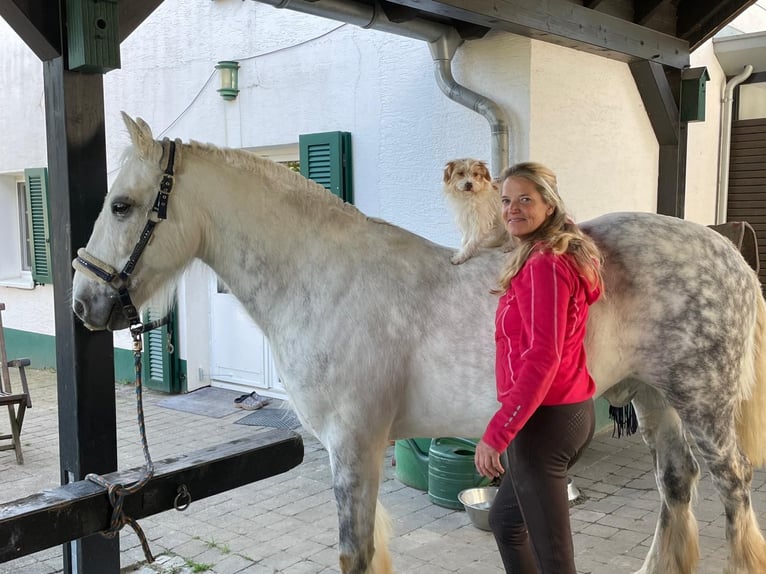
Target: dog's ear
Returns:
[[496, 185], [448, 170], [484, 171]]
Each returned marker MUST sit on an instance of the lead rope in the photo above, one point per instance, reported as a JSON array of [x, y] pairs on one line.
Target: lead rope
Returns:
[[116, 491]]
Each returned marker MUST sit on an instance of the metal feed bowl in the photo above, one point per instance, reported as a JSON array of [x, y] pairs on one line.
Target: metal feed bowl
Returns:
[[477, 502]]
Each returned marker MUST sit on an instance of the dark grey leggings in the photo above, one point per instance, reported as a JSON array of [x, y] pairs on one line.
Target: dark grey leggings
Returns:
[[530, 515]]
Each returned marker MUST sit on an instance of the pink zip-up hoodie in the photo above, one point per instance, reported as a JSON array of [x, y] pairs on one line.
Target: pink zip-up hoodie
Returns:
[[539, 334]]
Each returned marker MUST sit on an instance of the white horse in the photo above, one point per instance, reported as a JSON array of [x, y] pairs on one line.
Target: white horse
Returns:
[[377, 336]]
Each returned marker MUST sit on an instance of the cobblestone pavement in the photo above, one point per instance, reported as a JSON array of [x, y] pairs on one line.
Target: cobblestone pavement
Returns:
[[287, 523]]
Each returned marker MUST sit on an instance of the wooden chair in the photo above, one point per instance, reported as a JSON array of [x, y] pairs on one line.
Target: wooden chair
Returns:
[[17, 403]]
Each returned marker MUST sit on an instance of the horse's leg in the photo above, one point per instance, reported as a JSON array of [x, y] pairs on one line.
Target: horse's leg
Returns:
[[712, 424], [363, 533], [675, 547], [714, 432]]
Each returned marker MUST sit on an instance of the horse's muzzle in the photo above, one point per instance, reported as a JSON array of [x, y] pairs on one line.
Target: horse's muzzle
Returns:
[[95, 317]]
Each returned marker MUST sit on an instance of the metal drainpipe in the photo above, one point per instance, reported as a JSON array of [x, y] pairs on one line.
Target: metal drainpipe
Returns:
[[442, 40], [442, 53], [725, 151]]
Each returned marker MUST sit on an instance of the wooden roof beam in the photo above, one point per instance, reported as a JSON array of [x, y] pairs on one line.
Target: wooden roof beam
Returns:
[[566, 24], [37, 23]]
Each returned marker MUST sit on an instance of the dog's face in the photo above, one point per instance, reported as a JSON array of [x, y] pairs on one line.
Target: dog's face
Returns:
[[466, 176]]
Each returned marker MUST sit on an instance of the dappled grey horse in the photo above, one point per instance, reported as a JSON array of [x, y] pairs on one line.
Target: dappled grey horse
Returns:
[[377, 336]]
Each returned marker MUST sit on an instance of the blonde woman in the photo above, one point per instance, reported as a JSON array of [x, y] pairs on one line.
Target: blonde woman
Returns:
[[546, 416]]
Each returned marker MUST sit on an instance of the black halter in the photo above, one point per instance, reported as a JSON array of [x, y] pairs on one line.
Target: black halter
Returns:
[[105, 273]]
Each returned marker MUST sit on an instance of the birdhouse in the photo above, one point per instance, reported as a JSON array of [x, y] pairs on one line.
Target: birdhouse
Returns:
[[93, 35], [693, 82]]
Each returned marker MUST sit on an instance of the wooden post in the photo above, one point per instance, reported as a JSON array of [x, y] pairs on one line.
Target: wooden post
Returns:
[[74, 109], [659, 88]]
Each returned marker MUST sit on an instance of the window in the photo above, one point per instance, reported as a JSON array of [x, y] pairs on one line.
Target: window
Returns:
[[24, 238], [25, 229], [752, 101], [287, 154], [15, 263]]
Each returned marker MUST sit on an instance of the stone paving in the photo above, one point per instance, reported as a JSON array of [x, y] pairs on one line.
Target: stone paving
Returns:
[[287, 524]]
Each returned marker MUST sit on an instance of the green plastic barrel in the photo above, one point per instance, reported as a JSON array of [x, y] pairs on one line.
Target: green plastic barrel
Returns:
[[451, 469], [412, 462]]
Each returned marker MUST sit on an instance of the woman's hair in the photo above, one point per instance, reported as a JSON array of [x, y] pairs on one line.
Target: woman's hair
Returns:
[[558, 233]]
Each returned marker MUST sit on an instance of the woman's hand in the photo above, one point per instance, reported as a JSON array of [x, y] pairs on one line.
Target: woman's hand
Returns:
[[487, 460]]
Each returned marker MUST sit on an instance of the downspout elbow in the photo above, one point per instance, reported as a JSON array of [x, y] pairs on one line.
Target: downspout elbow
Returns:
[[442, 52], [442, 40]]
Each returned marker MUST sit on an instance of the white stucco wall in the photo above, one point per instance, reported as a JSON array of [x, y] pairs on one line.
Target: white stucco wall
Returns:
[[22, 106], [589, 125], [702, 151], [294, 79], [29, 310], [22, 145]]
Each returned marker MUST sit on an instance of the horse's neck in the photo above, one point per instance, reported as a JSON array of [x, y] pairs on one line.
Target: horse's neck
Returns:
[[265, 241]]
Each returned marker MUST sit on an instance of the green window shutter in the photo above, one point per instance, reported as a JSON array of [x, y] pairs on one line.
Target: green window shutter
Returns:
[[326, 158], [36, 180], [158, 362]]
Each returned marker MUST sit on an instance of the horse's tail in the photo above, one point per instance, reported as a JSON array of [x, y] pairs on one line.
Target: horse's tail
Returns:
[[751, 416], [381, 560]]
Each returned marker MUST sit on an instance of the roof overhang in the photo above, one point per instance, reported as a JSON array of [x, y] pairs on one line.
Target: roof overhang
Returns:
[[567, 24], [661, 31], [735, 52]]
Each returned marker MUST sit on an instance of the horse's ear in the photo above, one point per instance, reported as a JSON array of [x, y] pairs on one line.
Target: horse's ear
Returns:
[[140, 135]]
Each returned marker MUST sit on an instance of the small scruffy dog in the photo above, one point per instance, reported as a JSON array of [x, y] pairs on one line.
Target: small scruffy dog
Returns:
[[476, 201]]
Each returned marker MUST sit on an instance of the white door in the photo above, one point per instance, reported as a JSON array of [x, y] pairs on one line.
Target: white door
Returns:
[[239, 354]]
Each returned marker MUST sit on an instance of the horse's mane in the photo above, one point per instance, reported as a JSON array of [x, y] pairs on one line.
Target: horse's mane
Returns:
[[304, 189]]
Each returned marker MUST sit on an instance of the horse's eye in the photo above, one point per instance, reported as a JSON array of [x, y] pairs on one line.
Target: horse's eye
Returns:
[[120, 207]]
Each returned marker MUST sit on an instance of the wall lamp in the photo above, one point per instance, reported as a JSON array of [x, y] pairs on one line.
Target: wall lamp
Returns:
[[229, 72]]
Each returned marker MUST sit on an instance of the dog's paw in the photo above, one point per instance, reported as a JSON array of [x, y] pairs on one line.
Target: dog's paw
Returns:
[[459, 258]]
